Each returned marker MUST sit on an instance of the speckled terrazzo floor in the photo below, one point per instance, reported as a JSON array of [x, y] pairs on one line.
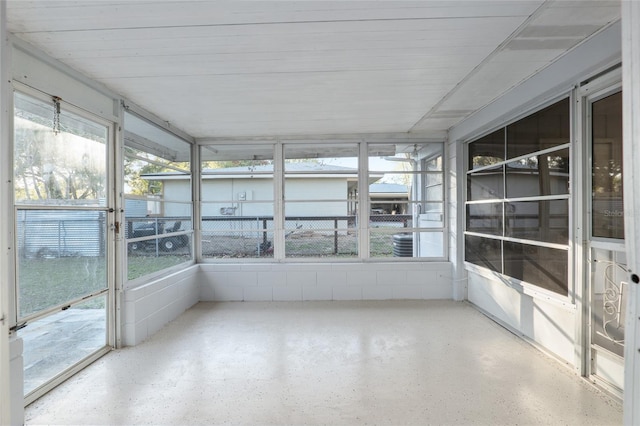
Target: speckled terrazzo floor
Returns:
[[395, 362]]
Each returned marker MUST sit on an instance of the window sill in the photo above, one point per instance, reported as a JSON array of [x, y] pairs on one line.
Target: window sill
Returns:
[[523, 287]]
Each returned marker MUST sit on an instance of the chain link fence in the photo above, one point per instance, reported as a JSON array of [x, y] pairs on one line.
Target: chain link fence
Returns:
[[305, 236]]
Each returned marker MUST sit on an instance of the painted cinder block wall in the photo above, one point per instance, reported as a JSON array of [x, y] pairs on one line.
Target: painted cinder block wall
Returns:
[[325, 281]]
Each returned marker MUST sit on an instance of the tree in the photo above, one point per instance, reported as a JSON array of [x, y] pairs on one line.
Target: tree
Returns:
[[65, 166]]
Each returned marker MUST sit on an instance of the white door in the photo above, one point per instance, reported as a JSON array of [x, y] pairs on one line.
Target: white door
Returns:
[[606, 249], [64, 261]]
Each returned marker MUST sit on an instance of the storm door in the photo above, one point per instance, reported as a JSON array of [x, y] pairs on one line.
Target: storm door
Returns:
[[64, 238], [606, 249]]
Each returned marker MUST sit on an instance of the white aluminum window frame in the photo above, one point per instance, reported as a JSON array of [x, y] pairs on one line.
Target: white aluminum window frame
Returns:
[[524, 287], [363, 202], [190, 233]]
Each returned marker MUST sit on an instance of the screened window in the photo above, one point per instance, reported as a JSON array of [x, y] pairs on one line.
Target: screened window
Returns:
[[237, 193], [304, 200], [517, 208], [61, 189], [60, 185], [61, 166], [158, 207], [321, 200], [607, 188], [406, 199]]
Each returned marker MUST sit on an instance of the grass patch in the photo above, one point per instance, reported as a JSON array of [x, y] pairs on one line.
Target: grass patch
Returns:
[[47, 282], [139, 266], [43, 283]]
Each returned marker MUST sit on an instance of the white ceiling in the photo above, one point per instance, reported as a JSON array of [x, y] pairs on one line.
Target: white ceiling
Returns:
[[270, 68]]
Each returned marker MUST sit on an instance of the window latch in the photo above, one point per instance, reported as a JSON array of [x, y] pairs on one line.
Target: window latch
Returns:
[[115, 227]]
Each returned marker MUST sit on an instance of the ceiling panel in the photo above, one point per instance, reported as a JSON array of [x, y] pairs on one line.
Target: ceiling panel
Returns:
[[100, 15], [551, 32], [265, 68]]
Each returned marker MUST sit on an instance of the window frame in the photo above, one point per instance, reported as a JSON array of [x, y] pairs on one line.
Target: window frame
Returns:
[[520, 285], [188, 233], [266, 245], [362, 200]]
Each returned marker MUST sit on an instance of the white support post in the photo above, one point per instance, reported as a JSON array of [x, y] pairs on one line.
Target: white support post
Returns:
[[631, 137], [457, 184], [196, 197], [5, 170], [363, 209], [279, 205]]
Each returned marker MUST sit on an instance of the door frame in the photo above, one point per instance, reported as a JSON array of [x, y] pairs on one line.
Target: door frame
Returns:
[[589, 92], [111, 216]]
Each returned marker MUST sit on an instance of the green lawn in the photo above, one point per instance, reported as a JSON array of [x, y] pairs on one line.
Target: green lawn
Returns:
[[47, 282], [139, 266]]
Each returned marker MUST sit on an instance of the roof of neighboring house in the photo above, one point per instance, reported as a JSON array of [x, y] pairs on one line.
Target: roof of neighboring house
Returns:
[[305, 169], [308, 166], [388, 188]]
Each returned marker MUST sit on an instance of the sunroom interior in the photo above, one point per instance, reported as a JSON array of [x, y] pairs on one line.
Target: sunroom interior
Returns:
[[160, 154]]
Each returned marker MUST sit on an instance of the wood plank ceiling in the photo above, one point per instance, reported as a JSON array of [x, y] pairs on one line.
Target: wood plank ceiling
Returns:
[[269, 68]]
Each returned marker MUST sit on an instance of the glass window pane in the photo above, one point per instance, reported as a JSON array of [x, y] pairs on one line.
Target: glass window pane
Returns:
[[247, 239], [145, 137], [406, 199], [487, 184], [243, 230], [390, 243], [333, 233], [434, 208], [607, 167], [62, 168], [153, 255], [385, 215], [485, 252], [546, 174], [487, 150], [435, 163], [61, 257], [406, 243], [546, 220], [434, 187], [541, 266], [158, 201], [321, 191], [60, 340], [309, 242], [175, 244], [431, 179], [485, 218], [434, 193], [320, 158], [237, 201], [544, 129], [429, 243], [389, 198], [398, 158]]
